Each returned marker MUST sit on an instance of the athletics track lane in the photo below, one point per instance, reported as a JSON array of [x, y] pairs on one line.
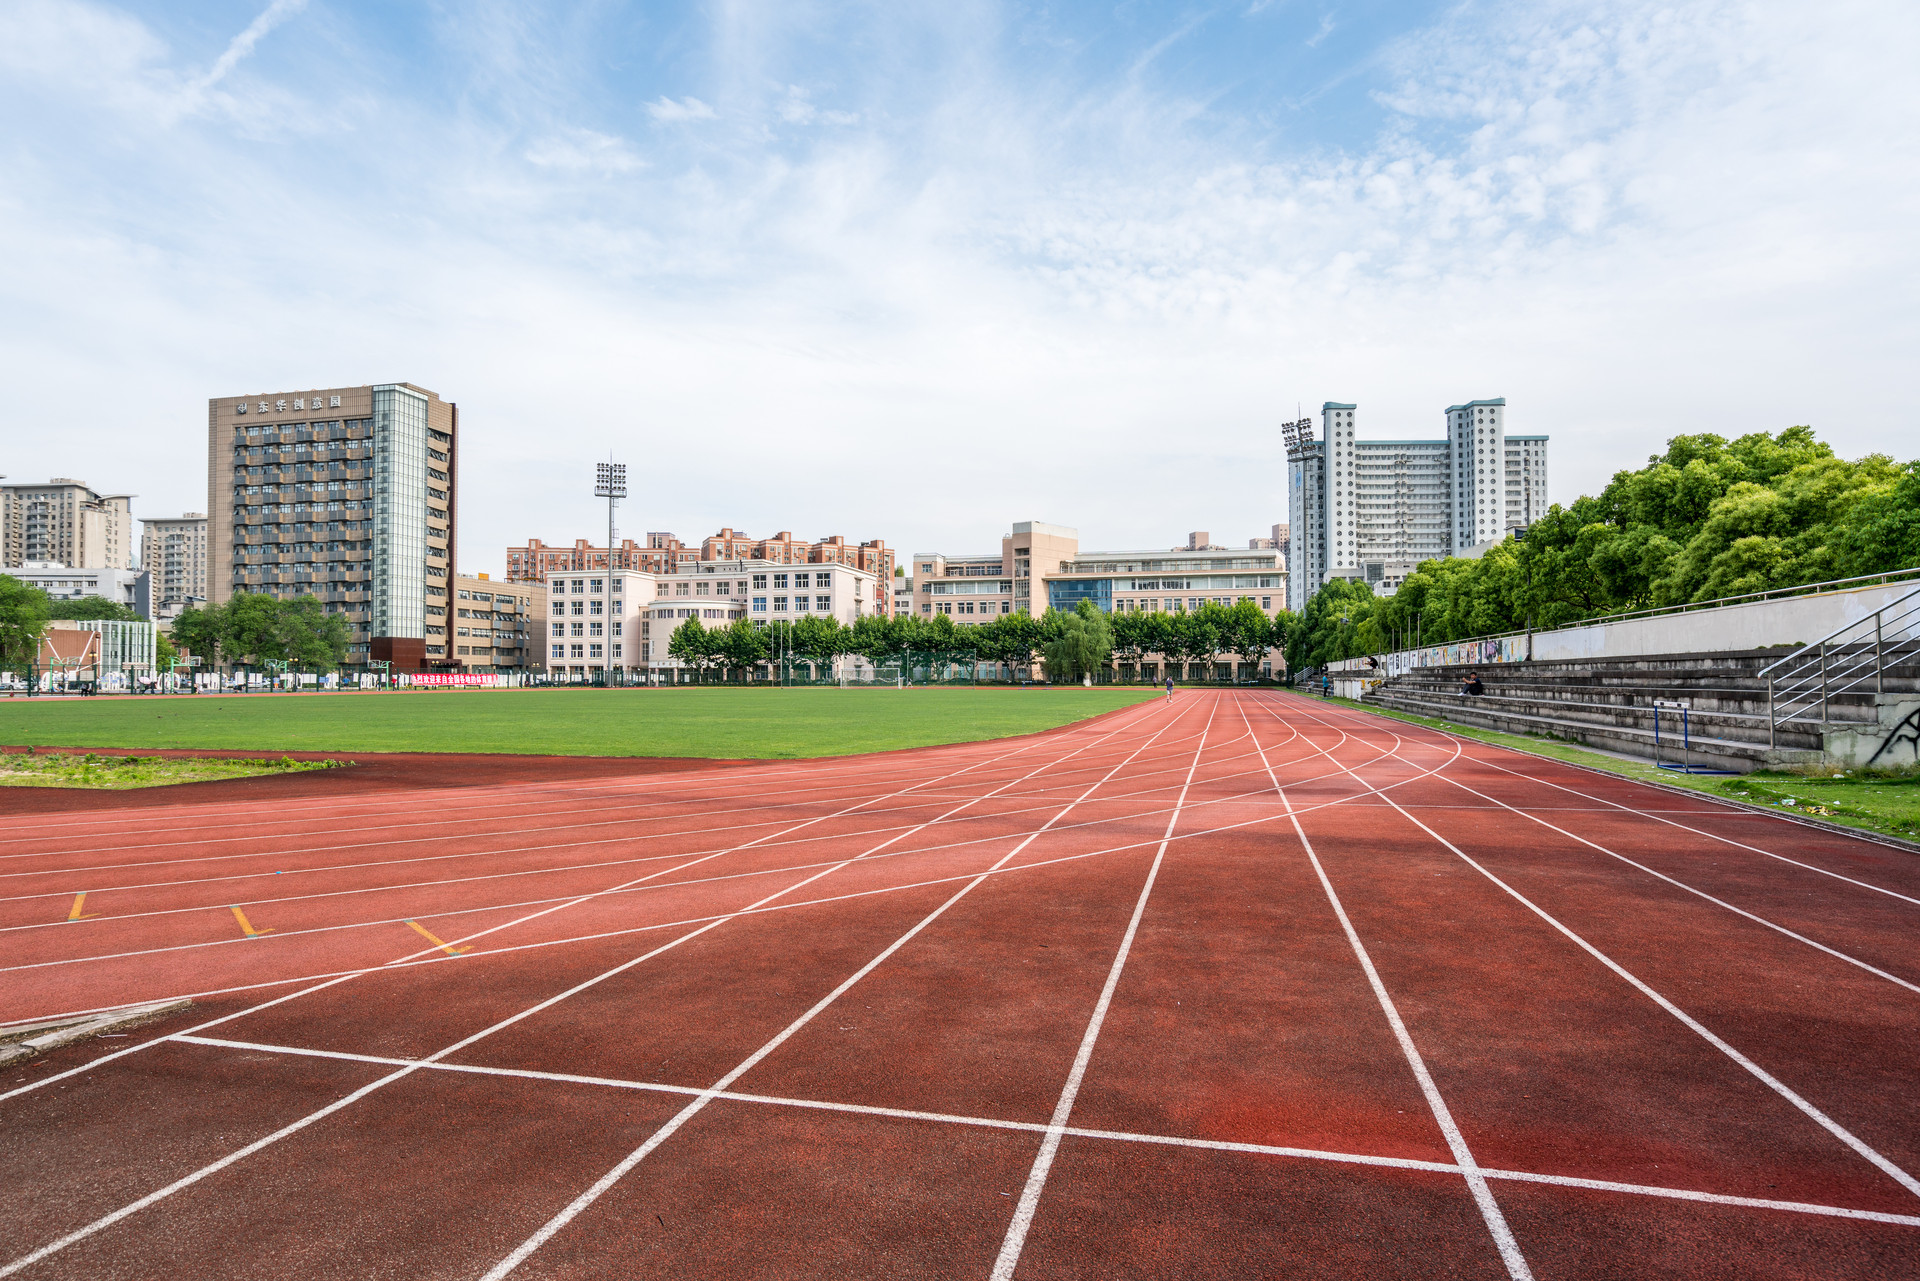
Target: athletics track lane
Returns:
[[969, 1017]]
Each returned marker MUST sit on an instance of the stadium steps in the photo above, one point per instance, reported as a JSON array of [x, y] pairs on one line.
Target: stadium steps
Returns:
[[1610, 705]]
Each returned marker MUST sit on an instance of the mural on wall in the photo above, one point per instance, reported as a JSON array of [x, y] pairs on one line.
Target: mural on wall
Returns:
[[1907, 731]]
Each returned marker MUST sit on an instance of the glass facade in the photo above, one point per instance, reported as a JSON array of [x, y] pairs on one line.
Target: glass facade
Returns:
[[1064, 594], [399, 512]]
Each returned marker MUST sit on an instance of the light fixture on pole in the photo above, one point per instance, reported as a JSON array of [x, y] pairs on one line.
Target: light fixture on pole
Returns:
[[610, 483]]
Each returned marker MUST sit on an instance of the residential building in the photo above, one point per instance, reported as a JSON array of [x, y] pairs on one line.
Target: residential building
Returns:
[[173, 549], [498, 627], [65, 522], [349, 494], [1372, 510], [663, 553], [625, 618], [129, 587]]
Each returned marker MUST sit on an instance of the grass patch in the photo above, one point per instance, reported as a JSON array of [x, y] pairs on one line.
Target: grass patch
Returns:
[[1884, 801], [763, 724], [117, 773]]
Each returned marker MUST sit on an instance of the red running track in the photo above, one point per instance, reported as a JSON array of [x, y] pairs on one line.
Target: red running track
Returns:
[[1231, 985]]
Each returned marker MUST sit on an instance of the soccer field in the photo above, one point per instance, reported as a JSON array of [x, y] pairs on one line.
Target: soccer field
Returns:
[[723, 723]]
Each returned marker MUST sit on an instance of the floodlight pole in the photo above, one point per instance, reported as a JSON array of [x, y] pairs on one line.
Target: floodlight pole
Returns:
[[610, 483]]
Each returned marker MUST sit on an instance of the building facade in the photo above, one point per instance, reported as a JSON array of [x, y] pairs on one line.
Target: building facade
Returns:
[[623, 619], [1041, 567], [129, 587], [498, 627], [173, 550], [349, 494], [65, 522], [1372, 510], [663, 553]]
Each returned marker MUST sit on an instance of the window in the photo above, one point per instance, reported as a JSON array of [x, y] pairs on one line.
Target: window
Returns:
[[722, 588], [616, 632], [779, 580], [579, 607], [594, 608], [579, 629], [616, 651], [780, 602], [759, 582], [597, 586], [702, 589], [593, 651], [926, 609], [579, 651], [577, 585], [593, 628], [559, 651], [760, 602], [823, 603], [679, 589], [559, 629], [823, 579], [1006, 607]]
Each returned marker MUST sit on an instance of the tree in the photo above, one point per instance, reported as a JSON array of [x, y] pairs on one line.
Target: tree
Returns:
[[1078, 644], [1019, 640], [309, 638], [1248, 633], [1130, 635], [249, 629], [91, 608], [691, 644], [743, 644], [199, 631], [1199, 635], [23, 621], [820, 640]]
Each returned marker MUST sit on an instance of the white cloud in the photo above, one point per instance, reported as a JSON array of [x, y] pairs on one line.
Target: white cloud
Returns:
[[670, 109], [585, 151]]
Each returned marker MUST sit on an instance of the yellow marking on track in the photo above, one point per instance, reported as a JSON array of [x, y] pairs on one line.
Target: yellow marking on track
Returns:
[[247, 925], [76, 914], [448, 948]]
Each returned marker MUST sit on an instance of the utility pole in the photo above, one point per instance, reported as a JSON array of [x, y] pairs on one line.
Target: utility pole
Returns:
[[610, 483]]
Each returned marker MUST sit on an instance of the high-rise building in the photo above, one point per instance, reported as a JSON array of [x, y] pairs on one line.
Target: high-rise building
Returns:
[[64, 522], [173, 551], [348, 494], [1374, 509], [498, 627]]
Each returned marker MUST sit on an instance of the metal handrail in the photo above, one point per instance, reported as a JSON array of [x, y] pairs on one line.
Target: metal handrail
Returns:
[[1844, 627], [1810, 674]]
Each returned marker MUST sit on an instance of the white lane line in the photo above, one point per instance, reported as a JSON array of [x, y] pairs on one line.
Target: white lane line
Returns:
[[580, 1203], [1759, 1073], [1476, 1179], [1679, 884], [1117, 1136], [423, 953], [1654, 813], [1015, 1239]]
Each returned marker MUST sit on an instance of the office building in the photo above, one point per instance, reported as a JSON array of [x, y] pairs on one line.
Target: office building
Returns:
[[65, 522], [663, 553], [498, 627], [173, 550], [625, 618], [349, 494], [129, 587], [1372, 510]]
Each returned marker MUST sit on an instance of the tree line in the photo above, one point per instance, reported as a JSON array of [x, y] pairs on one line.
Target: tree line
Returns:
[[27, 611], [253, 629], [1069, 644], [1706, 519]]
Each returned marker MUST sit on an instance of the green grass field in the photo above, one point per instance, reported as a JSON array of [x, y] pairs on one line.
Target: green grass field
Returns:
[[123, 773], [721, 723]]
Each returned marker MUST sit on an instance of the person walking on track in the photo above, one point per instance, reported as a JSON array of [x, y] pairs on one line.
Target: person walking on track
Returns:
[[1169, 687]]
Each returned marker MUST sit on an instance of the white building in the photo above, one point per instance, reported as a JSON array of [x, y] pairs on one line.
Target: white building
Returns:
[[129, 587], [625, 619], [1374, 509], [65, 521]]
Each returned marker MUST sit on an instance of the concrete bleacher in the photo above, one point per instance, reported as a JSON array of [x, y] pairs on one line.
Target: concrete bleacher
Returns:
[[1609, 704]]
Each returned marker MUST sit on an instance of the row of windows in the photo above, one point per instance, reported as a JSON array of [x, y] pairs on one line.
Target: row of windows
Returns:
[[582, 651]]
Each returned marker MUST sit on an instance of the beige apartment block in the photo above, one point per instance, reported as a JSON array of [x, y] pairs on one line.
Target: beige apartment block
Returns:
[[173, 551], [497, 626], [536, 561], [623, 619], [65, 522], [349, 494]]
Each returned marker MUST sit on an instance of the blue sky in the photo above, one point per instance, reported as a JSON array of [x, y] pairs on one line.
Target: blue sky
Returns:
[[919, 271]]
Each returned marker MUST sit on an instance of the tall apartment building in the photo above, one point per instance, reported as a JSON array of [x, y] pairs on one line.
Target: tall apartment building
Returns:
[[1374, 509], [662, 553], [348, 494], [173, 551], [65, 522]]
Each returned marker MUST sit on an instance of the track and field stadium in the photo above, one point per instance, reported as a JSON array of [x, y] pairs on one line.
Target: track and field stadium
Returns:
[[1235, 984]]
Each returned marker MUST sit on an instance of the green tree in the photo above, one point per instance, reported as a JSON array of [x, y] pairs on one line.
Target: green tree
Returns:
[[692, 645], [743, 645], [23, 621], [1078, 644], [1248, 632], [249, 631], [309, 638], [820, 640], [199, 631], [1131, 638], [90, 608]]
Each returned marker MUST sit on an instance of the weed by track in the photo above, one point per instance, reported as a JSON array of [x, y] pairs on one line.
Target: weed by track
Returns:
[[116, 773]]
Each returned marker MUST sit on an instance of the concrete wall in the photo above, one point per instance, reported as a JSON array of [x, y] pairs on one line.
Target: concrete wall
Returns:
[[1788, 623]]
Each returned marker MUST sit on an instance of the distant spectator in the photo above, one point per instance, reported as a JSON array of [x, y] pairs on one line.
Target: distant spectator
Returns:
[[1471, 687], [1373, 662]]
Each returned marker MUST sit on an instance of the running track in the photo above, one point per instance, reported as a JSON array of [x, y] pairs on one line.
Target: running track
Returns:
[[1234, 985]]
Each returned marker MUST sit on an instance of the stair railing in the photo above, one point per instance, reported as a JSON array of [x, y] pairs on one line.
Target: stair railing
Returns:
[[1839, 662]]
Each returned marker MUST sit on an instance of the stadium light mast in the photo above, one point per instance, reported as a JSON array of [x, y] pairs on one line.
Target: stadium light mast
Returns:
[[610, 483]]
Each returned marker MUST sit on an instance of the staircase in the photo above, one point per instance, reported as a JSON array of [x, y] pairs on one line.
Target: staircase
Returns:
[[1609, 704]]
